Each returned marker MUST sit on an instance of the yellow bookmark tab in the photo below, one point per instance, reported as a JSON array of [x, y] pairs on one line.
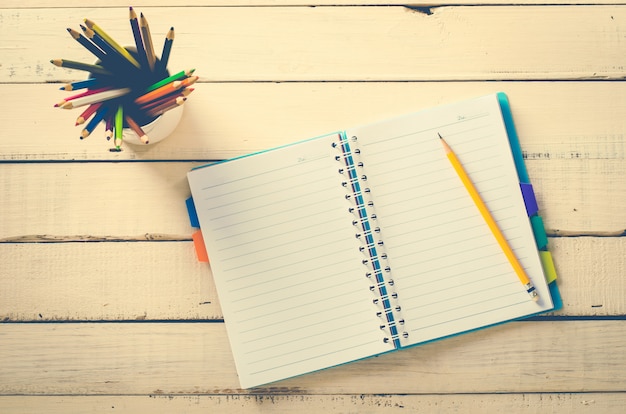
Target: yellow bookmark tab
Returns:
[[548, 266]]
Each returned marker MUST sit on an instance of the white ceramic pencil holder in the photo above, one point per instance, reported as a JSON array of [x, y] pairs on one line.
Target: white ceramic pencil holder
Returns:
[[157, 130]]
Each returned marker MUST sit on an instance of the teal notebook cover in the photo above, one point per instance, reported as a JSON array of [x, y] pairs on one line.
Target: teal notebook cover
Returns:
[[525, 188], [537, 224]]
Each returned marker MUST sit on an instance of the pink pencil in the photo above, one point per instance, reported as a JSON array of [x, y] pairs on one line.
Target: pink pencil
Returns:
[[80, 95]]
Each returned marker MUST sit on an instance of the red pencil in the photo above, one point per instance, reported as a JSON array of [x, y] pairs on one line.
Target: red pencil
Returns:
[[87, 113]]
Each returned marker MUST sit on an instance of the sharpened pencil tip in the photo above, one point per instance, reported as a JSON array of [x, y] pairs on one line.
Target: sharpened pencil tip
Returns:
[[440, 137]]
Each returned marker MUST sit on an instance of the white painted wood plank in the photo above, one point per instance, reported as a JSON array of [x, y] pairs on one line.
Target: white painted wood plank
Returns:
[[565, 120], [87, 201], [95, 199], [105, 281], [163, 281], [16, 4], [340, 43], [190, 358], [571, 403]]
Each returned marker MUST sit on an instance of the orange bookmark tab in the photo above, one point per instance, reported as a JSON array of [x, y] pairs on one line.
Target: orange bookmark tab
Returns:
[[198, 242]]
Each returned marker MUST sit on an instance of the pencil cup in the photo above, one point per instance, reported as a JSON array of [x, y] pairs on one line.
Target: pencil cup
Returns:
[[156, 128]]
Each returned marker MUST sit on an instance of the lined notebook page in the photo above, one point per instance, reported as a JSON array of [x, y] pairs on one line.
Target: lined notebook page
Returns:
[[450, 273], [286, 262]]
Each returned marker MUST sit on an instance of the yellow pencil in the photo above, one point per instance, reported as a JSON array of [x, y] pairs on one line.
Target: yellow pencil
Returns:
[[484, 211], [90, 24]]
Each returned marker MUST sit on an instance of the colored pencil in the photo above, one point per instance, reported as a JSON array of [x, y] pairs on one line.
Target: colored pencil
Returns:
[[80, 95], [119, 126], [166, 98], [137, 129], [134, 25], [114, 59], [166, 106], [93, 123], [167, 48], [99, 53], [108, 128], [80, 84], [147, 41], [177, 76], [98, 30], [71, 64], [96, 97], [159, 92], [91, 109], [123, 86], [493, 226]]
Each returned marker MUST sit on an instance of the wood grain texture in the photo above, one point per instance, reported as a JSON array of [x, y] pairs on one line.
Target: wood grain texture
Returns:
[[114, 281], [195, 358], [11, 4], [342, 43], [143, 201], [571, 403], [555, 120], [133, 281], [103, 306]]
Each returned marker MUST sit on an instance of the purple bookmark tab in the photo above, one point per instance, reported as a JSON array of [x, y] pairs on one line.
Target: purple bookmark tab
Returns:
[[529, 198]]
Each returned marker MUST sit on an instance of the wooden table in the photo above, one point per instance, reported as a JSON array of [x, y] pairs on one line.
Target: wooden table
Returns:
[[103, 306]]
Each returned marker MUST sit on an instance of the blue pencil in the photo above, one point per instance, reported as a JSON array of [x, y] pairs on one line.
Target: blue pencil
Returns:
[[88, 83], [93, 123]]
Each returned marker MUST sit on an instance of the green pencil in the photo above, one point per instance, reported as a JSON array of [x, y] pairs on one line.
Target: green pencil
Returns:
[[177, 76], [119, 125]]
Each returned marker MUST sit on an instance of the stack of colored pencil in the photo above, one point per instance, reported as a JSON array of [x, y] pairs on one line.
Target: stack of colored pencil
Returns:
[[126, 87]]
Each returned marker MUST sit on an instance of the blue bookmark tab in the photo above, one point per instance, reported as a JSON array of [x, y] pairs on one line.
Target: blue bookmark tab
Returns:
[[191, 210]]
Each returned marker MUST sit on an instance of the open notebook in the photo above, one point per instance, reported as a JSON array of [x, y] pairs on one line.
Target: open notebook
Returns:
[[365, 241]]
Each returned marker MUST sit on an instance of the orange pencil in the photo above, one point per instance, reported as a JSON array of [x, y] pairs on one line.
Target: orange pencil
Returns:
[[189, 81], [165, 89], [167, 98], [137, 129], [159, 92]]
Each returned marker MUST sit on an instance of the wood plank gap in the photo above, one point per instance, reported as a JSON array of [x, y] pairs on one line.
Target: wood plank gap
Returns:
[[159, 237], [540, 318], [47, 238]]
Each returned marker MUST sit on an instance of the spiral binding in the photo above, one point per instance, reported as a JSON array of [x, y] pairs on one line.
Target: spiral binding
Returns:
[[375, 260]]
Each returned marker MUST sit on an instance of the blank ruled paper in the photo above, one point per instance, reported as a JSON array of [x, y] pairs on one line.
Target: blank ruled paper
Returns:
[[286, 262], [450, 272], [287, 266]]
